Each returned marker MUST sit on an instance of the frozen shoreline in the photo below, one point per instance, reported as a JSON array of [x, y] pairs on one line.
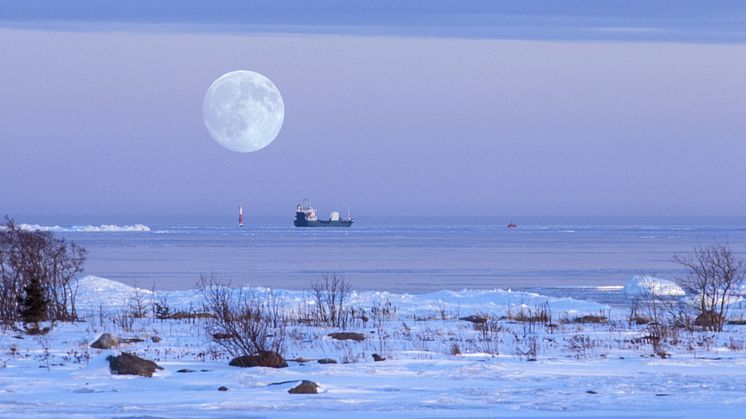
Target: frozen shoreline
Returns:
[[580, 369]]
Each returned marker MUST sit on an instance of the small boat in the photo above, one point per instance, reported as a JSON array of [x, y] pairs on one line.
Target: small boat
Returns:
[[240, 216], [305, 216], [511, 225]]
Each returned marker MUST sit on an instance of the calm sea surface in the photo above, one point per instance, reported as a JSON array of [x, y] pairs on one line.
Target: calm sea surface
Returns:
[[569, 259]]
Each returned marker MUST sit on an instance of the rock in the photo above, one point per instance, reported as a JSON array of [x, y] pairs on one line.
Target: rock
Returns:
[[155, 339], [223, 336], [475, 318], [708, 319], [128, 364], [35, 330], [378, 358], [357, 337], [327, 361], [305, 387], [222, 388], [105, 341], [132, 340], [184, 370], [591, 318], [262, 359]]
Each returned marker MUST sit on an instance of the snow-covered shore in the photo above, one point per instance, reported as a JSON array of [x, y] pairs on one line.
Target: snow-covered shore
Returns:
[[94, 291], [563, 368]]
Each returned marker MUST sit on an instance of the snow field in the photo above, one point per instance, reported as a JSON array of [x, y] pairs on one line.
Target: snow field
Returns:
[[517, 369]]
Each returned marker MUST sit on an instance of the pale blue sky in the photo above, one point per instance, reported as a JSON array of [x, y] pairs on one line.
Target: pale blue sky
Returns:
[[617, 108]]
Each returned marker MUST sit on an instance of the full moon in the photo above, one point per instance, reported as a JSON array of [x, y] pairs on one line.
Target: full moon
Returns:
[[243, 111]]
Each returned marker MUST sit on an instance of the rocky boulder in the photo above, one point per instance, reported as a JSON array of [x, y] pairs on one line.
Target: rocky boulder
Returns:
[[305, 387], [378, 358], [223, 336], [708, 319], [475, 318], [106, 341], [357, 337], [262, 359], [128, 364]]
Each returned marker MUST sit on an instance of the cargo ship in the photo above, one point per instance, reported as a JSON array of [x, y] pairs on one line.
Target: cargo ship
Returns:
[[305, 216]]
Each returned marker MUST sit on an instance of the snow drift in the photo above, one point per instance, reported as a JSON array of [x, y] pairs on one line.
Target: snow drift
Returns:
[[646, 285], [94, 291]]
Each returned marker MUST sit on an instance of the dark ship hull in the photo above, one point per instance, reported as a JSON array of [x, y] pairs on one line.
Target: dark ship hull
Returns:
[[322, 223], [305, 216]]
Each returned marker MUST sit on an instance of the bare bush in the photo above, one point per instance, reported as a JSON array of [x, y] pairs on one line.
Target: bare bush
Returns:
[[27, 256], [331, 296], [489, 335], [138, 304], [714, 276], [382, 311], [538, 314], [455, 349], [124, 320], [161, 309], [241, 322]]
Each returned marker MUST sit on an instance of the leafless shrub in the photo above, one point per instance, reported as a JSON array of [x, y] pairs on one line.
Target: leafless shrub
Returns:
[[489, 335], [358, 317], [101, 315], [273, 310], [38, 256], [124, 320], [660, 314], [533, 349], [538, 314], [138, 304], [635, 315], [161, 309], [382, 311], [242, 319], [443, 310], [580, 345], [331, 296], [525, 346], [714, 275], [735, 344], [455, 349]]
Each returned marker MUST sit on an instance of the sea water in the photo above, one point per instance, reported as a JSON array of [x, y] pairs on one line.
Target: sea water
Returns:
[[568, 259]]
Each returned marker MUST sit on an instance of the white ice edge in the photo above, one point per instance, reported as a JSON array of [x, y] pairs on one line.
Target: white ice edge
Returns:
[[103, 228]]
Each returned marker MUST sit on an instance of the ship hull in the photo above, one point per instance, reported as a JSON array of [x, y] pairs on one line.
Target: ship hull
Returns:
[[322, 223]]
